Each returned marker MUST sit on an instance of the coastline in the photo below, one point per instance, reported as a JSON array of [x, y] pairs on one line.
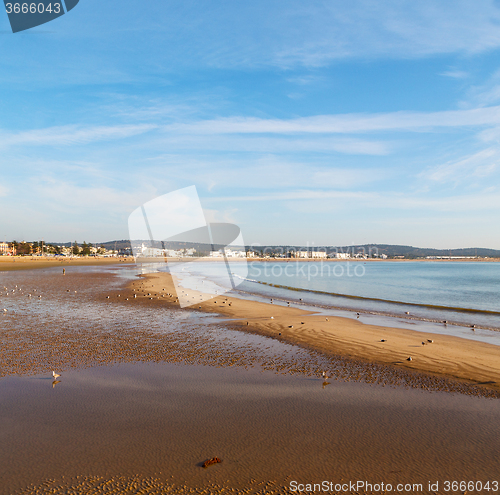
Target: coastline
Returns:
[[471, 362]]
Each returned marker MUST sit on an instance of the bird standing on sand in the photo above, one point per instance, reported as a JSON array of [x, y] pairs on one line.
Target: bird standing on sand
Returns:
[[55, 375], [324, 375]]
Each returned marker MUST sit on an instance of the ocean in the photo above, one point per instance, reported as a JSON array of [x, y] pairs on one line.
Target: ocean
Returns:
[[462, 293]]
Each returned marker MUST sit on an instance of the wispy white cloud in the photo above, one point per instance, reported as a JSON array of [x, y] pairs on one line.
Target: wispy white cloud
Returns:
[[484, 94], [479, 165], [191, 141], [455, 74], [72, 197], [331, 31], [393, 201], [272, 172], [344, 123], [72, 135]]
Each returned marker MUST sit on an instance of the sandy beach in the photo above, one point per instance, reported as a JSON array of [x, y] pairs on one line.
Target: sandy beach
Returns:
[[149, 391], [473, 362], [8, 263]]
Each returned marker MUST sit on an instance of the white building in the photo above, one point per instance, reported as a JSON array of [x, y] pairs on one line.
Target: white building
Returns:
[[342, 256], [230, 253], [311, 254]]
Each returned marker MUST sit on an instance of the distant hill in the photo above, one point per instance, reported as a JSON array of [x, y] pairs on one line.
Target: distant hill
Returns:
[[390, 250]]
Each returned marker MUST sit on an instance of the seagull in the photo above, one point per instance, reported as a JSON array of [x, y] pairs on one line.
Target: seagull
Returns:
[[324, 375], [409, 359], [430, 341], [55, 375]]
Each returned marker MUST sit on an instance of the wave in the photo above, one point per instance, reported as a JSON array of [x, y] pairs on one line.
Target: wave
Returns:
[[380, 300], [244, 278]]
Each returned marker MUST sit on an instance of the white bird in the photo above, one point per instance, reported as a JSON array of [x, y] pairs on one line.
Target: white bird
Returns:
[[55, 375], [324, 375]]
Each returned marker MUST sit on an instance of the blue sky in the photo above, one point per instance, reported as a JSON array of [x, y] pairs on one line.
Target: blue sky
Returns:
[[302, 122]]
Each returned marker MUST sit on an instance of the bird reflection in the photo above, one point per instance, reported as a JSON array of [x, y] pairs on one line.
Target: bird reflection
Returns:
[[325, 383], [55, 382]]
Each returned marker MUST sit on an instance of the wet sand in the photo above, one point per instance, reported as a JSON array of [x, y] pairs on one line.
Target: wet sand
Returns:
[[8, 263], [157, 423], [473, 362], [148, 392]]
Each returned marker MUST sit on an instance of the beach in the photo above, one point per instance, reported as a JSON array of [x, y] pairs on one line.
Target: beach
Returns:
[[473, 362], [8, 263], [149, 391]]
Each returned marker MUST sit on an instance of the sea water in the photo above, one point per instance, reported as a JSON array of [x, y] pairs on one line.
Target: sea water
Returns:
[[460, 293]]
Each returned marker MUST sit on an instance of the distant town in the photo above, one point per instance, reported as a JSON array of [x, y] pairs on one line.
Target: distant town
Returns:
[[185, 249]]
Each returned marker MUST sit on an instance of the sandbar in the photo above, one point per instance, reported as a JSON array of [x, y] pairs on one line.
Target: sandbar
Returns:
[[466, 360]]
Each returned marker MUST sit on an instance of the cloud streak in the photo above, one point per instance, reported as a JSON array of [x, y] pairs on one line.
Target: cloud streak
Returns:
[[72, 135], [343, 123]]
